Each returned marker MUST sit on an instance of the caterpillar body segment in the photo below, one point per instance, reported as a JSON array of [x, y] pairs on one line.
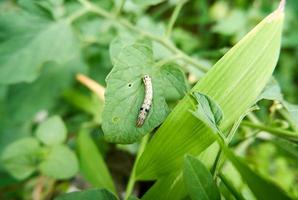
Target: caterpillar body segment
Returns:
[[145, 108]]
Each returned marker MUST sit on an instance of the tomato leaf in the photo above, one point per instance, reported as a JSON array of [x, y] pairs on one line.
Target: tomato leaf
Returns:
[[29, 41], [125, 90], [59, 163], [52, 131], [20, 157]]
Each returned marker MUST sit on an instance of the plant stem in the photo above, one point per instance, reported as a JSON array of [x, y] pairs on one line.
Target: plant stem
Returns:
[[166, 61], [38, 189], [231, 188], [132, 178], [287, 117], [92, 85], [77, 15], [220, 158], [120, 8], [123, 22], [275, 131], [174, 17]]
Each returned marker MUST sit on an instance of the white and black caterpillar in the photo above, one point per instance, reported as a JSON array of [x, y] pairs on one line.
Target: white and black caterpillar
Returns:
[[145, 108]]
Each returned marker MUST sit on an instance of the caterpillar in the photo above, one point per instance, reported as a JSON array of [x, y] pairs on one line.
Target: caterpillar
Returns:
[[145, 108]]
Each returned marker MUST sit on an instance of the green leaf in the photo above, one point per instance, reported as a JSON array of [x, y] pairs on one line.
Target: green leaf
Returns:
[[174, 82], [36, 7], [147, 2], [172, 187], [117, 45], [262, 188], [89, 104], [11, 131], [232, 24], [272, 91], [228, 184], [198, 180], [52, 131], [289, 147], [29, 41], [91, 194], [92, 164], [173, 78], [41, 95], [208, 111], [125, 91], [20, 157], [59, 163], [234, 83], [293, 110], [132, 198]]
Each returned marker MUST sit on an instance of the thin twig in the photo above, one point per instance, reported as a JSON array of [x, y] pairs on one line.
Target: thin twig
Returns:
[[123, 22], [288, 118], [167, 60], [220, 159], [174, 17], [38, 189], [120, 8], [132, 178], [98, 89], [293, 136], [77, 14]]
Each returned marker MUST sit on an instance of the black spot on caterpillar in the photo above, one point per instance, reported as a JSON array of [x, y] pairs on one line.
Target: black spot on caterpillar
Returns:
[[145, 108]]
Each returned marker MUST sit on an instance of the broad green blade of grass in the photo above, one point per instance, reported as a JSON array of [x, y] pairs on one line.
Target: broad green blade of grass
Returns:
[[92, 164], [234, 83]]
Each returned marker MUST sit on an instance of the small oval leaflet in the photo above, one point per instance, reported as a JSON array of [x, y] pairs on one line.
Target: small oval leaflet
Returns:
[[145, 108]]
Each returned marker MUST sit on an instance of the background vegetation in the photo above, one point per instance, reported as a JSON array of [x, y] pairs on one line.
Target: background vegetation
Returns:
[[51, 137]]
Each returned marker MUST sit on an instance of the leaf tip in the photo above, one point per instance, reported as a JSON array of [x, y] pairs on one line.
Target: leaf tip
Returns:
[[278, 13], [281, 6]]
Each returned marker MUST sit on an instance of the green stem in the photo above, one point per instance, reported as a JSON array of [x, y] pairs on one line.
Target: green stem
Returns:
[[77, 15], [120, 8], [220, 158], [287, 117], [275, 131], [166, 61], [132, 178], [174, 17], [215, 166], [230, 187], [96, 9], [163, 41]]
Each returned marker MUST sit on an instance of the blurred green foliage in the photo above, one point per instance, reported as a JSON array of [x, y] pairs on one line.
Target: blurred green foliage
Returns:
[[44, 44]]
